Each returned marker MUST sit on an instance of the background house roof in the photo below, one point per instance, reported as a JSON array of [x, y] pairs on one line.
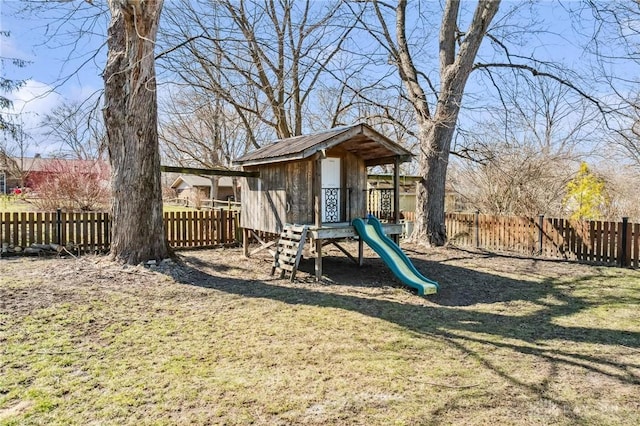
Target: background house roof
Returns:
[[193, 181], [41, 164], [359, 139]]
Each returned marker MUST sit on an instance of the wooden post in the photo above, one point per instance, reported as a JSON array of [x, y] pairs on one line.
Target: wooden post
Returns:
[[317, 192], [477, 228], [318, 268], [624, 242], [317, 211], [360, 252], [396, 195], [58, 227], [540, 233], [245, 242]]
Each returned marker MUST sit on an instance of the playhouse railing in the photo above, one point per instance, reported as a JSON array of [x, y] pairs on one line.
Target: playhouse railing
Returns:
[[380, 201], [335, 204]]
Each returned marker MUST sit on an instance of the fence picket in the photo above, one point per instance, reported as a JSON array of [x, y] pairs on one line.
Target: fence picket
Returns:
[[635, 257]]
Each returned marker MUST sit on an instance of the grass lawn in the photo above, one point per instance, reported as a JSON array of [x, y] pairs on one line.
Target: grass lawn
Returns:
[[176, 208], [217, 340], [12, 204]]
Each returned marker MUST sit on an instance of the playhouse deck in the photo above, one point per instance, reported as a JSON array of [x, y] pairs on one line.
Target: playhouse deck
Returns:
[[333, 233]]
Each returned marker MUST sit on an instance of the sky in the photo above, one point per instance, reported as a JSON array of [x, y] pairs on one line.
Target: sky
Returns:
[[49, 76], [55, 54]]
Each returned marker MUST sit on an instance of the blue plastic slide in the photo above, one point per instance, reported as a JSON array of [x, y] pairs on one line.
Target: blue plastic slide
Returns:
[[371, 233]]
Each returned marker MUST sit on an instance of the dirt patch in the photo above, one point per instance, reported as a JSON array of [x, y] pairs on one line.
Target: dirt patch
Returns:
[[15, 410], [466, 277]]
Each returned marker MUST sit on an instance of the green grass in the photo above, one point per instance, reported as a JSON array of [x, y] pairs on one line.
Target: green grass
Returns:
[[176, 208], [220, 342], [9, 203], [13, 204]]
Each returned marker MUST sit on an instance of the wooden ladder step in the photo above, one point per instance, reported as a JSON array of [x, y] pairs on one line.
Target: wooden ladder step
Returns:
[[289, 250]]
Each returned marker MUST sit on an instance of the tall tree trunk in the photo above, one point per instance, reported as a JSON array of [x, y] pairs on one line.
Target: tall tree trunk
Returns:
[[436, 133], [130, 114]]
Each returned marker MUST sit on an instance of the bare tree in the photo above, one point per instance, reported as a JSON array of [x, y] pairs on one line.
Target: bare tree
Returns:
[[130, 114], [264, 58], [77, 129], [612, 39], [71, 185], [521, 160], [457, 52], [8, 125], [14, 141], [201, 131], [13, 154]]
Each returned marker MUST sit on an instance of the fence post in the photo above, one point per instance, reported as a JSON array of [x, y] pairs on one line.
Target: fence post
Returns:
[[540, 233], [59, 226], [623, 238], [476, 226]]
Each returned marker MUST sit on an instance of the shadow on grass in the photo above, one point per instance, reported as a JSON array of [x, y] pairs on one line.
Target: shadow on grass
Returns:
[[448, 317]]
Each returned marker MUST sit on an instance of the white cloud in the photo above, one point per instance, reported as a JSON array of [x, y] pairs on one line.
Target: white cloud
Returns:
[[32, 101]]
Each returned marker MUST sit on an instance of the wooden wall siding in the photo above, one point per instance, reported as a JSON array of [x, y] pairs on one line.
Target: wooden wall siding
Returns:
[[264, 199], [588, 241], [299, 192], [89, 232], [353, 183], [284, 192], [355, 178]]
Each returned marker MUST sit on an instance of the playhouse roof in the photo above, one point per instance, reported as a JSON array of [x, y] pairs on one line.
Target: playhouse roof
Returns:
[[359, 139]]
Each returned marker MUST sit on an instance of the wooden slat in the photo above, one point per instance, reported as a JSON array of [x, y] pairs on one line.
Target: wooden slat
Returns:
[[189, 228], [617, 255], [636, 245], [223, 226], [77, 238], [629, 248], [598, 242], [289, 250], [606, 242], [2, 231], [202, 218], [101, 236], [574, 238], [182, 222], [592, 241], [86, 240], [286, 267]]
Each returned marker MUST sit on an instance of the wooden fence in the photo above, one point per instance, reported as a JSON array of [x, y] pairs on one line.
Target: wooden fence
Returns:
[[89, 232], [203, 228], [612, 243]]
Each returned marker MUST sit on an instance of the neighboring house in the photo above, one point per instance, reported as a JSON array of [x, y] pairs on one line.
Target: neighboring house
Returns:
[[380, 186], [25, 172], [3, 182], [380, 191], [190, 187]]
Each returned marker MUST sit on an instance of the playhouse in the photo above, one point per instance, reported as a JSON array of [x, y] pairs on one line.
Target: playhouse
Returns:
[[319, 180]]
